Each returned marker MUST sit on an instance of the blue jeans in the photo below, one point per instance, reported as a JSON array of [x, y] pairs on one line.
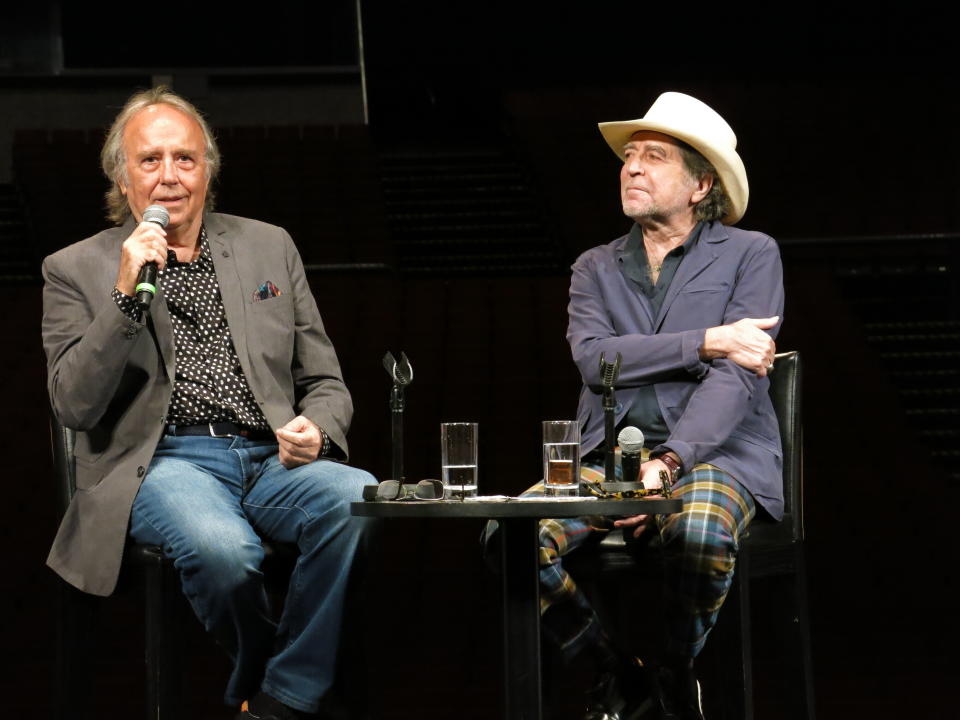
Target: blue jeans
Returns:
[[204, 500]]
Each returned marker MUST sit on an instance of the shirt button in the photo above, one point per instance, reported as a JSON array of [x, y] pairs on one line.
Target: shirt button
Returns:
[[141, 472]]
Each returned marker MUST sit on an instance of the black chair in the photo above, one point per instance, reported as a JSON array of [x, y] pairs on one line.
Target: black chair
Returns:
[[78, 611], [143, 565], [769, 549]]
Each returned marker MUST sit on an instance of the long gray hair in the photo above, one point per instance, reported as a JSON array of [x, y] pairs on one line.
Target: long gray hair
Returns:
[[113, 159], [716, 204]]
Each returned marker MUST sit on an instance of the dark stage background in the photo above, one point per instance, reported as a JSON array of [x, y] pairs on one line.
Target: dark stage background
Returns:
[[439, 191]]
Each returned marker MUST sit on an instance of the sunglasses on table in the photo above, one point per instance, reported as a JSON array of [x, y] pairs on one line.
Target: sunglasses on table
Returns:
[[396, 490]]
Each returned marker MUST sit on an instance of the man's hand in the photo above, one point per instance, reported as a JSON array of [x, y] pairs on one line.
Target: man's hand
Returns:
[[650, 477], [147, 243], [744, 342], [299, 442]]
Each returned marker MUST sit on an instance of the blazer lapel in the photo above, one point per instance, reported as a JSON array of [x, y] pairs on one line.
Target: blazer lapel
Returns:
[[228, 277], [708, 248], [629, 245], [161, 326]]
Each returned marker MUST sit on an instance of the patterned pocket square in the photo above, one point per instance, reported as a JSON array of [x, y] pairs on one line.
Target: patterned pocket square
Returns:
[[266, 291]]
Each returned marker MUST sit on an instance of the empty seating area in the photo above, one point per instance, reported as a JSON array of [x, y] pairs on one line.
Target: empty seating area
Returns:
[[910, 309], [470, 208], [57, 173], [319, 182]]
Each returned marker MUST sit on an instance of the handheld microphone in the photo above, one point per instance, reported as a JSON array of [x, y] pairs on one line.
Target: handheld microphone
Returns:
[[147, 279], [631, 443]]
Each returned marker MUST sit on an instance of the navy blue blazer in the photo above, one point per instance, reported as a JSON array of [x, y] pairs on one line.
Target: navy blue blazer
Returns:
[[717, 412]]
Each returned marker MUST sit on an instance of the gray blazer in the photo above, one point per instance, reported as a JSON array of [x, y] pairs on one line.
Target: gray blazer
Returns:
[[111, 379], [716, 412]]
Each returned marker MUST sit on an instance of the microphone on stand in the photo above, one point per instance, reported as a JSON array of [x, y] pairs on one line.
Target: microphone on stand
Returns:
[[609, 374], [401, 373], [631, 443], [147, 279]]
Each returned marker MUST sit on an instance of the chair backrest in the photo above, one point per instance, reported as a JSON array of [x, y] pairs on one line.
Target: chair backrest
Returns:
[[62, 441], [785, 392]]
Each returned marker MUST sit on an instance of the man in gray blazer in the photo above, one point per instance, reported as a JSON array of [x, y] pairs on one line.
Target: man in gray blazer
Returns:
[[692, 305], [217, 417]]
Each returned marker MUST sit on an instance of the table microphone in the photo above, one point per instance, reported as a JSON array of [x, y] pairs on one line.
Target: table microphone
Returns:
[[147, 279], [609, 374], [401, 373], [630, 440]]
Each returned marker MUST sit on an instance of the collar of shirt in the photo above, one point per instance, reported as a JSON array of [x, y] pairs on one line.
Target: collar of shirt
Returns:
[[203, 262], [634, 264]]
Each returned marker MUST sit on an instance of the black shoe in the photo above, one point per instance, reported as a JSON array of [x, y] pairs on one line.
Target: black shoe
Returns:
[[622, 695], [677, 692], [265, 707]]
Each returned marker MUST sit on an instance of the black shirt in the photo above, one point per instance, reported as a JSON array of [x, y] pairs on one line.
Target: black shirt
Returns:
[[645, 412], [209, 386]]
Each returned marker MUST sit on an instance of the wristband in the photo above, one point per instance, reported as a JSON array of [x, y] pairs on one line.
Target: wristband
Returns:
[[672, 465]]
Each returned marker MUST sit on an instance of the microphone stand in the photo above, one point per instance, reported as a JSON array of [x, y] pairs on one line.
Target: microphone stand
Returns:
[[401, 373], [609, 373]]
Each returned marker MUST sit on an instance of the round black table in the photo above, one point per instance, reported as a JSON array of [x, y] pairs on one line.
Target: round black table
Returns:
[[520, 556]]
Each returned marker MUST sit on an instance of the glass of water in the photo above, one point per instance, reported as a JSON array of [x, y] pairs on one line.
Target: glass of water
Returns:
[[458, 448], [561, 457]]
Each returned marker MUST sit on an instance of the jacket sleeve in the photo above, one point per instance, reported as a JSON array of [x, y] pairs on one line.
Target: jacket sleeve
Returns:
[[645, 358], [87, 345], [319, 391], [725, 394]]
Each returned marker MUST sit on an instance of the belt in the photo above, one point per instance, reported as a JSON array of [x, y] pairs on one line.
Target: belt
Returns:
[[221, 429]]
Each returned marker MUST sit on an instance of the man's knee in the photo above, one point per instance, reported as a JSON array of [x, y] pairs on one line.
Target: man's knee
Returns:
[[716, 510], [351, 481], [222, 561], [336, 487], [696, 528], [339, 483]]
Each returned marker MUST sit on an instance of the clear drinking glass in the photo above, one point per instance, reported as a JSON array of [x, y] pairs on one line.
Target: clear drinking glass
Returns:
[[458, 448], [561, 457]]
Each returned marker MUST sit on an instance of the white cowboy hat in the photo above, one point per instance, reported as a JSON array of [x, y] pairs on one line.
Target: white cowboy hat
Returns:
[[698, 125]]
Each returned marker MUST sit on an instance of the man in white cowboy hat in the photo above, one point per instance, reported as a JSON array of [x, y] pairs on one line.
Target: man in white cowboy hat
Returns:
[[692, 304]]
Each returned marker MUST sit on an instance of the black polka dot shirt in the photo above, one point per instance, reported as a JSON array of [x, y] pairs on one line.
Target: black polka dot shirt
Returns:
[[209, 386]]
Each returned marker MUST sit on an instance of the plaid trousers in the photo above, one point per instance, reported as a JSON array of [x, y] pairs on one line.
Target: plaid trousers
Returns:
[[699, 547]]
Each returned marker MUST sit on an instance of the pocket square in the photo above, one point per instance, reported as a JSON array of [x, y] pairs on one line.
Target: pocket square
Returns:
[[266, 291]]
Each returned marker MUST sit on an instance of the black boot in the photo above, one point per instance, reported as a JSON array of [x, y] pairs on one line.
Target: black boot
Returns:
[[677, 691], [265, 707], [621, 693]]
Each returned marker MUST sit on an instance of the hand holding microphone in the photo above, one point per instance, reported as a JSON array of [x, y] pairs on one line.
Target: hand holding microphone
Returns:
[[147, 279], [630, 440], [143, 254]]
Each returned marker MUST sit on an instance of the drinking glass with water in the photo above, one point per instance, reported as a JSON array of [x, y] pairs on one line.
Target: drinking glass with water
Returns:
[[458, 447]]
